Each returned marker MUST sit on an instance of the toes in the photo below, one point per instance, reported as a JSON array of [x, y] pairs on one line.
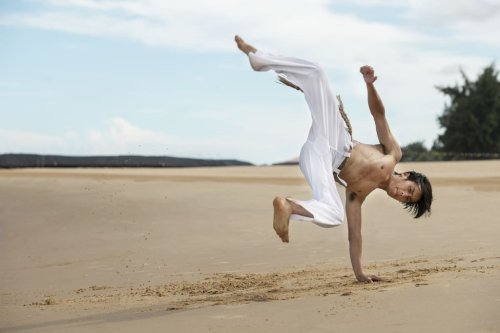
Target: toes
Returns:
[[280, 225], [280, 233], [239, 40], [285, 239], [283, 235]]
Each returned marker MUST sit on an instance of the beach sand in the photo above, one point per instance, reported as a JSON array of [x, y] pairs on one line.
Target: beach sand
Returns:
[[193, 250]]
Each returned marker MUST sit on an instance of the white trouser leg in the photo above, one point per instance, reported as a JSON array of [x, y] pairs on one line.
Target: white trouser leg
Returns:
[[328, 138]]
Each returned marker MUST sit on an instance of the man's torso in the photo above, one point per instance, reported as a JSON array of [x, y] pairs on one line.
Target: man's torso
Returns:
[[367, 167]]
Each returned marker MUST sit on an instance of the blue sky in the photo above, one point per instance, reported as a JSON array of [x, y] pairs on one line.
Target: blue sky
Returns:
[[81, 77]]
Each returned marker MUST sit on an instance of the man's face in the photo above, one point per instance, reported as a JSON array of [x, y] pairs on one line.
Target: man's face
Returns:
[[404, 190]]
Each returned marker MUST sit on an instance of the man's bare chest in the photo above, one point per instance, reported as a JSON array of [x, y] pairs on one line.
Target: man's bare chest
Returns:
[[366, 173]]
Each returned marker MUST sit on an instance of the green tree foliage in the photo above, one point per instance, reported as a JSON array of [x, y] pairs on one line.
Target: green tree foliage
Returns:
[[415, 147], [472, 119], [416, 151]]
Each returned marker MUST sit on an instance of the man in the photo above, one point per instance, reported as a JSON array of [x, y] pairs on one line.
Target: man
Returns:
[[330, 154]]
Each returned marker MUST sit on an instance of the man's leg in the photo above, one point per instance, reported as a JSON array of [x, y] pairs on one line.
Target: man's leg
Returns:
[[312, 80], [326, 208], [283, 209]]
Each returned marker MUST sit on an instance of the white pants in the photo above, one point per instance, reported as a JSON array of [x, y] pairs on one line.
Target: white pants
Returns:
[[328, 143]]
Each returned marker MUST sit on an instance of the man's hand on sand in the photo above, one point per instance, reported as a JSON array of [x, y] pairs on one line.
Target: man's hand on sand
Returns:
[[369, 278], [368, 74]]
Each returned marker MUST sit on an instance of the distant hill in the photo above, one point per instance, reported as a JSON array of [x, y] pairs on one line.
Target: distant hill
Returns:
[[128, 161], [292, 161]]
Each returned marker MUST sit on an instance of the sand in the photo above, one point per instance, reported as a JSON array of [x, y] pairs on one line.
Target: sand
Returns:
[[193, 250]]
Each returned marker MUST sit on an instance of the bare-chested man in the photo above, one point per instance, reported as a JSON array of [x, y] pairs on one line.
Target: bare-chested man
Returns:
[[330, 155]]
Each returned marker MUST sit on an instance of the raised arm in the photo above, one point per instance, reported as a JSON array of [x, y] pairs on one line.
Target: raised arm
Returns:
[[353, 211], [385, 137]]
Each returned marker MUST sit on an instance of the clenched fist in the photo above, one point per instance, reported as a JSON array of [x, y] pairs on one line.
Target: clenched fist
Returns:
[[368, 74]]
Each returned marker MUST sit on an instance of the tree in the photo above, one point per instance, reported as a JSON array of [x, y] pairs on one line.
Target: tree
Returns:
[[472, 119], [416, 151]]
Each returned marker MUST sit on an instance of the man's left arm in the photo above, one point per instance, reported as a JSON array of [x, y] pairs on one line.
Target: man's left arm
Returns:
[[353, 212], [384, 134]]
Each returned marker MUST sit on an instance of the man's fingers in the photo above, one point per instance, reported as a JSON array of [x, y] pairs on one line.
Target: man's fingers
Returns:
[[367, 72], [364, 68], [375, 278], [367, 279]]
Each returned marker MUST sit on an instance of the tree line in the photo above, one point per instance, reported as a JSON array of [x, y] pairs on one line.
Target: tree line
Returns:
[[471, 122]]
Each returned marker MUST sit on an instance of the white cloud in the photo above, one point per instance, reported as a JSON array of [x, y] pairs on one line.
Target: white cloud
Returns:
[[12, 141], [294, 27], [453, 11], [308, 29], [121, 137], [472, 21], [208, 25]]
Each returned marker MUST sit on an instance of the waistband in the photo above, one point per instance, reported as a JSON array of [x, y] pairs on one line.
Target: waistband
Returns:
[[337, 170]]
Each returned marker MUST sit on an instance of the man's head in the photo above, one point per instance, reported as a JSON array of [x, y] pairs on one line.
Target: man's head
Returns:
[[414, 190]]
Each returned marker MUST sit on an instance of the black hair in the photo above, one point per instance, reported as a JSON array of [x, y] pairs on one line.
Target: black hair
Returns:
[[422, 206]]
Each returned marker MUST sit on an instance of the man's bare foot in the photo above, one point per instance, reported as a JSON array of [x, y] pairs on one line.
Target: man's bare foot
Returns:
[[282, 212], [243, 46]]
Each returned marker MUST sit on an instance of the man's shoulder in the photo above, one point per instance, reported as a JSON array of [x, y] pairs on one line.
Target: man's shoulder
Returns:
[[370, 146], [379, 152]]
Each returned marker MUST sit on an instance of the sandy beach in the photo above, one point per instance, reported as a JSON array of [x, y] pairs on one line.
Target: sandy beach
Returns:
[[193, 250]]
